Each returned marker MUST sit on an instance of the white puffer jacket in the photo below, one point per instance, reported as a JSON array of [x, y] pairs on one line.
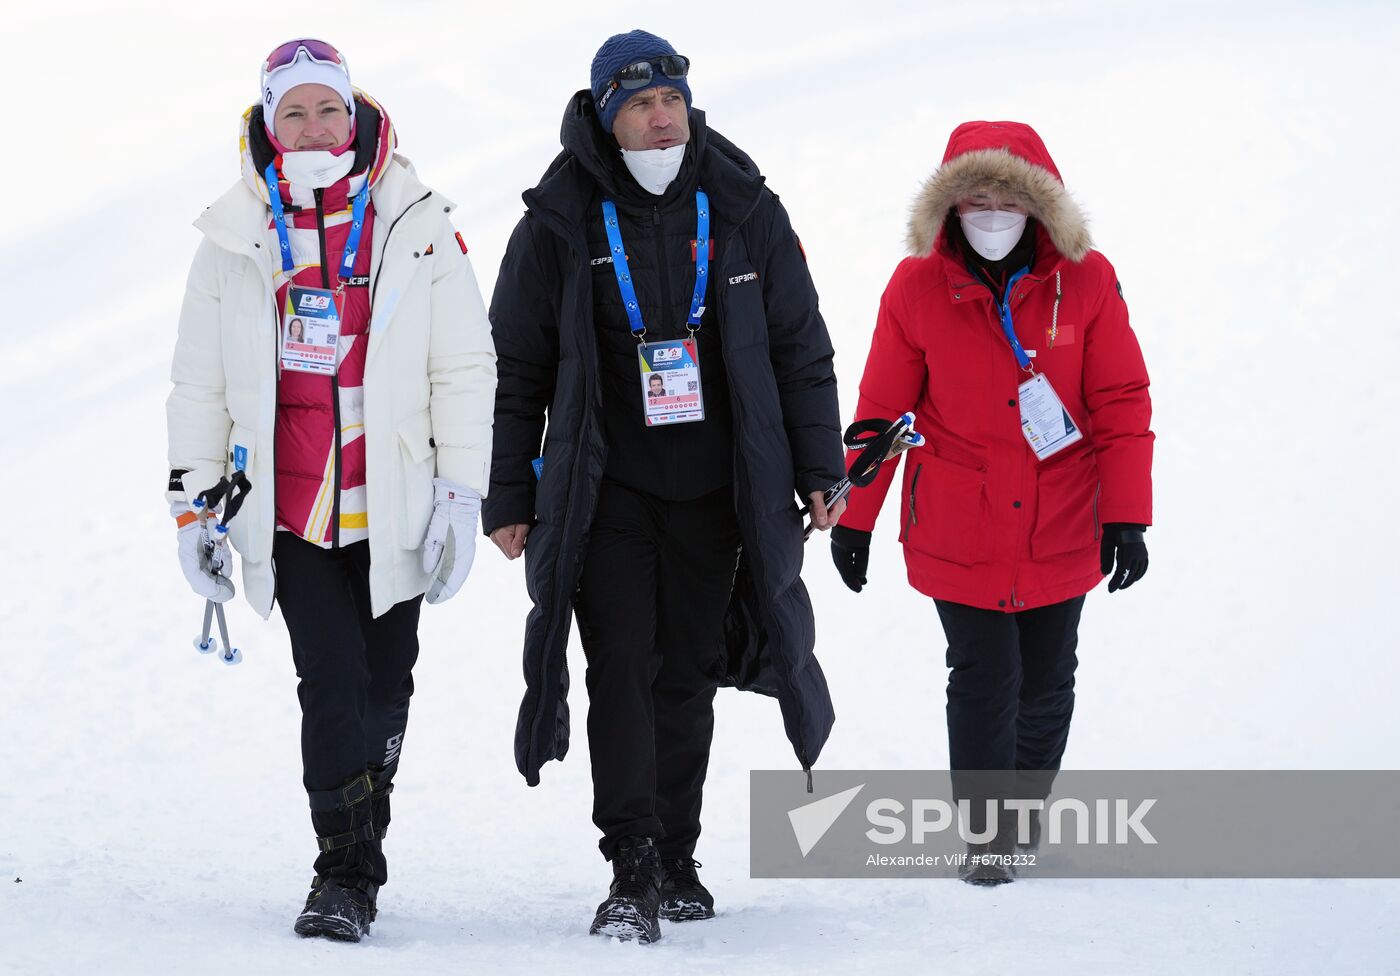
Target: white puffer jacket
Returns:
[[430, 377]]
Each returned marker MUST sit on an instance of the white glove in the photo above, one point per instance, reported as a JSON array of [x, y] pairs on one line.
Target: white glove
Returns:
[[204, 554], [450, 547]]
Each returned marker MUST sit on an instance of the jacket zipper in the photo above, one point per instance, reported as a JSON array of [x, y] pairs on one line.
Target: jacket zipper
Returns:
[[1097, 527], [1003, 309], [335, 381], [272, 446], [912, 518], [663, 271]]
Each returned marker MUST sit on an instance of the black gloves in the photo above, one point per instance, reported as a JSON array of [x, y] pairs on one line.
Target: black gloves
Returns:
[[1123, 539], [850, 551]]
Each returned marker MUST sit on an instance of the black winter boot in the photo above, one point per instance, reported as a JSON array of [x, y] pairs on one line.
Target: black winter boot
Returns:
[[350, 867], [635, 895], [991, 863], [337, 910], [683, 897]]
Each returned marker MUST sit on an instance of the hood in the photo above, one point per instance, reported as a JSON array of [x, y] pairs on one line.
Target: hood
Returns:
[[375, 142], [590, 158], [1010, 158]]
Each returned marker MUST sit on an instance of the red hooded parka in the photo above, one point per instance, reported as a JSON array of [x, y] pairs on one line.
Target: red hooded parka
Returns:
[[982, 521]]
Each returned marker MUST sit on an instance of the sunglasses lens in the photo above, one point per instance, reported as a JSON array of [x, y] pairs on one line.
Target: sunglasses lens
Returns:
[[635, 75], [639, 75], [673, 65]]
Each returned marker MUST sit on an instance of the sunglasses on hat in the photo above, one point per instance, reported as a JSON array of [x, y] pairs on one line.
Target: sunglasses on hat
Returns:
[[639, 75], [285, 54]]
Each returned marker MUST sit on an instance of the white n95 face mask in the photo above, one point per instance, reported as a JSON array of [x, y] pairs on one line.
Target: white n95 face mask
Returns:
[[993, 233], [315, 169], [654, 169]]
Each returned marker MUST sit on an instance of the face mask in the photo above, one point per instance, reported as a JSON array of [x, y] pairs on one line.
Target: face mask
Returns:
[[315, 168], [993, 233], [654, 169]]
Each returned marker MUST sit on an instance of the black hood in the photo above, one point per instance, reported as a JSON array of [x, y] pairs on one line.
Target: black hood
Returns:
[[591, 160]]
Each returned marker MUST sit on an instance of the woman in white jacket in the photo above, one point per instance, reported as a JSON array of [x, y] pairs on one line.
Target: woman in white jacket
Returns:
[[365, 440]]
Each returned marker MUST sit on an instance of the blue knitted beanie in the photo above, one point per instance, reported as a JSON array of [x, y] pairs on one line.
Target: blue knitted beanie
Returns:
[[618, 52]]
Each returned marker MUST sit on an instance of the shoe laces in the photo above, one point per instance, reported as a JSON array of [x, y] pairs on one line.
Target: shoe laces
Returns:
[[681, 871], [634, 871]]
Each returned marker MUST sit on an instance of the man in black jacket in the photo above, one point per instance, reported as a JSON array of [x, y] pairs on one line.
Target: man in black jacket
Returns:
[[666, 523]]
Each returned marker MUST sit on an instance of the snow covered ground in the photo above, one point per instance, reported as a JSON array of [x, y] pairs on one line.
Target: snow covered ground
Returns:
[[1236, 160]]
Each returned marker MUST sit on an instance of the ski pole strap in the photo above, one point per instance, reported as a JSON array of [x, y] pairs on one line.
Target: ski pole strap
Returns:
[[860, 432], [239, 487], [876, 438], [233, 489]]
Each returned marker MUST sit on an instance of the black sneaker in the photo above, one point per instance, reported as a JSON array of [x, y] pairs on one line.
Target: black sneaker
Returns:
[[336, 911], [683, 897], [630, 909]]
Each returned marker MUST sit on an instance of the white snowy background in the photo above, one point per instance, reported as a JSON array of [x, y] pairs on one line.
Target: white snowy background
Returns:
[[1237, 162]]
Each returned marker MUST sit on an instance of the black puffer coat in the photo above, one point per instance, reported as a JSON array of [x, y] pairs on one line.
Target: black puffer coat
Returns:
[[782, 394]]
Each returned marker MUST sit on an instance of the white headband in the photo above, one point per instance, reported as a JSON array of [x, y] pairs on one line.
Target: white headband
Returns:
[[304, 71]]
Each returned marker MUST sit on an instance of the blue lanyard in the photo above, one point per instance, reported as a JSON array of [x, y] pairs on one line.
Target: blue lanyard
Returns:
[[279, 217], [1007, 328], [624, 274]]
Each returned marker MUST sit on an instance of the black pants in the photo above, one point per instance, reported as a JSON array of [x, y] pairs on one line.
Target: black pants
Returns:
[[1010, 692], [356, 681], [650, 609]]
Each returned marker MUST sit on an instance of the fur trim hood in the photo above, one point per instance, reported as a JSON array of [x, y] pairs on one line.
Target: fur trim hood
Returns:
[[1007, 157]]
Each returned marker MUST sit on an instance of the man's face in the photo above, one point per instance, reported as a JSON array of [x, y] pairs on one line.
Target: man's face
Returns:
[[311, 117], [654, 118]]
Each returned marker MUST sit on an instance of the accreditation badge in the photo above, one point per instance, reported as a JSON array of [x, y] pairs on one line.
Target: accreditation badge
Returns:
[[670, 373], [310, 330], [1045, 422]]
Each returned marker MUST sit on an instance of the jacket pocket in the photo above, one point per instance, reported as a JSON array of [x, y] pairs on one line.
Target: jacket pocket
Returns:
[[419, 458], [245, 531], [1066, 518], [911, 516], [948, 511]]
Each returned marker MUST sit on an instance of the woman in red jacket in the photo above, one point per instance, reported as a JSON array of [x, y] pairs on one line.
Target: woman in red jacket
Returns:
[[1009, 338]]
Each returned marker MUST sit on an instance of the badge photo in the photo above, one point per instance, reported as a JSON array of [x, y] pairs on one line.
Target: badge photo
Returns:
[[311, 330], [670, 379]]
